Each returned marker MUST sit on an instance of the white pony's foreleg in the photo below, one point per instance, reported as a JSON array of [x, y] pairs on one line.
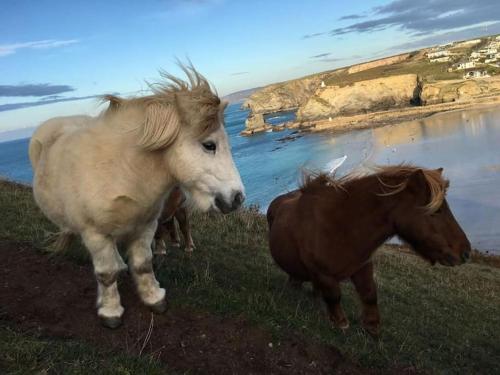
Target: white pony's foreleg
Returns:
[[141, 267], [107, 266]]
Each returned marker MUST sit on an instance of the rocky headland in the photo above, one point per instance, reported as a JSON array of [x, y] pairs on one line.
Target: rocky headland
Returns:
[[278, 97], [380, 92]]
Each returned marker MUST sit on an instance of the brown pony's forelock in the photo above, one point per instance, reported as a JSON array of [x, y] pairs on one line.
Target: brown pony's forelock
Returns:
[[435, 181]]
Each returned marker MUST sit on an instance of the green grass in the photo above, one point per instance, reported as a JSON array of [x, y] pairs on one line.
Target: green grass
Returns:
[[22, 354], [442, 320], [427, 71]]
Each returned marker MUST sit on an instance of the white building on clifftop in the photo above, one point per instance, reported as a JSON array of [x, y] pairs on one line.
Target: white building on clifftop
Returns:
[[465, 65], [438, 54]]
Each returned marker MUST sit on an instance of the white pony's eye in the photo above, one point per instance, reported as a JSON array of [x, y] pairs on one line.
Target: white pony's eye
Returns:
[[209, 146]]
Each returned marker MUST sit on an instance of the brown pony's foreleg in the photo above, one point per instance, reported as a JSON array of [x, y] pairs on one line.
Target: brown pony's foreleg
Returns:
[[367, 290], [166, 222], [172, 232], [330, 290], [159, 240], [182, 217]]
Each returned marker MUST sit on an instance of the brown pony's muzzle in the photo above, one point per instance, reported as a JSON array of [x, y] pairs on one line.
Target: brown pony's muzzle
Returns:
[[457, 258], [465, 256], [466, 248]]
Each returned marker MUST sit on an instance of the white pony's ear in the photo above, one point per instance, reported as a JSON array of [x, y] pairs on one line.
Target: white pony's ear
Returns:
[[160, 128]]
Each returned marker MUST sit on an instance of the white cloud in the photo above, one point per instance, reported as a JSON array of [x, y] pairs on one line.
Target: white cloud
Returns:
[[10, 49]]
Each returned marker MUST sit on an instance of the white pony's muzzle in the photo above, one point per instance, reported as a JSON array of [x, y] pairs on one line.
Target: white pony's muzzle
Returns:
[[234, 202]]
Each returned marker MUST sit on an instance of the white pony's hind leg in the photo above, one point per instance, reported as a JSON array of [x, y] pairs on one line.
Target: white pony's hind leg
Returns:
[[107, 265], [141, 267]]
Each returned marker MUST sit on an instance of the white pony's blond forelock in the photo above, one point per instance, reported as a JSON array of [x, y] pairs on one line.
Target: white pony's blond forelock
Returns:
[[174, 102]]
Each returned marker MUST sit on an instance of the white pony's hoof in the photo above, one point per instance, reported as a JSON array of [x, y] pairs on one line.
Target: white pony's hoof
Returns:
[[111, 322], [159, 307]]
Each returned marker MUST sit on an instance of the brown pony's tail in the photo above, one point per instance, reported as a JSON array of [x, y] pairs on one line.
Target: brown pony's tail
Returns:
[[61, 241]]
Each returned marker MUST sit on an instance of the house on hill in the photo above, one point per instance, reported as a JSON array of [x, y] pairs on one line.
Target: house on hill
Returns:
[[438, 54], [440, 59], [475, 55], [467, 43], [465, 65], [491, 58], [476, 74], [488, 51]]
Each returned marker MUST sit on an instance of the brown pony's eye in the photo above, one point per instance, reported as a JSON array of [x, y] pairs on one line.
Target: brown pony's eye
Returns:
[[209, 146]]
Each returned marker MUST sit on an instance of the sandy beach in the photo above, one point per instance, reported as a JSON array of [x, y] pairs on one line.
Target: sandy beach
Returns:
[[394, 116]]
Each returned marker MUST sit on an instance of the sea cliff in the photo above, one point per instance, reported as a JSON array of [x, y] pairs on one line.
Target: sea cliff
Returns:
[[413, 84]]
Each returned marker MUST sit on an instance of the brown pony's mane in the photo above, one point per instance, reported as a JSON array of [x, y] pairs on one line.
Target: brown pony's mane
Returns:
[[193, 98], [435, 181], [312, 179]]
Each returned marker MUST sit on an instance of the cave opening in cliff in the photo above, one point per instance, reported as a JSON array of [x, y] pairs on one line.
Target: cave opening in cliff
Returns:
[[278, 118]]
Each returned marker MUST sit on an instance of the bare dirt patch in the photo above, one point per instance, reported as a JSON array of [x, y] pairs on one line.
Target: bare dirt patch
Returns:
[[56, 298]]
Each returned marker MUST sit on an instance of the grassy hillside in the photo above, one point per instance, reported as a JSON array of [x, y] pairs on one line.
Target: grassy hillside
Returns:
[[424, 69], [434, 319], [31, 354]]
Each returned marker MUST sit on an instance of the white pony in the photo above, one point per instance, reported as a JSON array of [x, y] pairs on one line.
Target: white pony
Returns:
[[106, 178]]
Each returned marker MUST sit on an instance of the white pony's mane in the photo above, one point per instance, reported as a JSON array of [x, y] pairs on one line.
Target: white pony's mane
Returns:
[[174, 102]]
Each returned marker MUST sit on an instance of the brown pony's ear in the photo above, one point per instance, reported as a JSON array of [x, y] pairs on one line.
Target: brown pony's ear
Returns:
[[417, 183], [161, 126], [439, 170]]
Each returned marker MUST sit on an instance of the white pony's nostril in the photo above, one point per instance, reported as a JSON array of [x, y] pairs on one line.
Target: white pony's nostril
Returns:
[[226, 206], [238, 200], [222, 204]]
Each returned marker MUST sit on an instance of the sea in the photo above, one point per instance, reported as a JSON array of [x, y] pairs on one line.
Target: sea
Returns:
[[465, 143]]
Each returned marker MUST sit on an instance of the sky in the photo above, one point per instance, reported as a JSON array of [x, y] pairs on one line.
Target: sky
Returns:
[[55, 51]]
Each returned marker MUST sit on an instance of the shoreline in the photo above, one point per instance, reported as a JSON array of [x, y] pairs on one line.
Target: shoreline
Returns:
[[371, 120]]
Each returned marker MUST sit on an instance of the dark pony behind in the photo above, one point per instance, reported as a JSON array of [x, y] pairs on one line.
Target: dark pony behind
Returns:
[[327, 230]]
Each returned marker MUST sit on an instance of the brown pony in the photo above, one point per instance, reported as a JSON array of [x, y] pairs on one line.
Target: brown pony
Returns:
[[327, 230], [174, 208]]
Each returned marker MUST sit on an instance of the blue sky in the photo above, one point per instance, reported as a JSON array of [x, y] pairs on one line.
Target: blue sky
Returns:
[[51, 49]]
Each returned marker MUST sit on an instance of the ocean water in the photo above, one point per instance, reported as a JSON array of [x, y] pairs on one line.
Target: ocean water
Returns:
[[14, 161], [464, 143]]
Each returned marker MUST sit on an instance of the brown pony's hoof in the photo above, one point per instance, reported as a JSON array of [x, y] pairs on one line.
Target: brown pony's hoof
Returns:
[[176, 244], [342, 323], [189, 249], [160, 248], [110, 322], [372, 330], [159, 307]]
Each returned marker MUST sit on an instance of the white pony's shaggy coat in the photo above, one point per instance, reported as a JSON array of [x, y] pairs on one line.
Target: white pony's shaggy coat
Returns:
[[106, 178]]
